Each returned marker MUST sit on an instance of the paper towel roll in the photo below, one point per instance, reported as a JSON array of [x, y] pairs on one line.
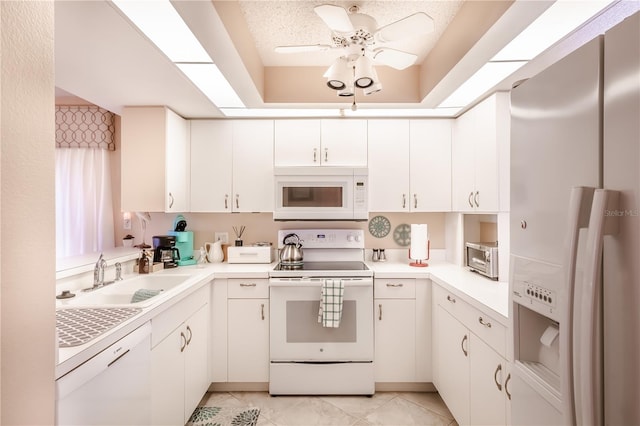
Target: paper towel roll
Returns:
[[419, 241]]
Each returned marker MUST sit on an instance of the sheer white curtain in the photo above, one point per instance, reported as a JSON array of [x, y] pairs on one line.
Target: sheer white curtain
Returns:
[[84, 210]]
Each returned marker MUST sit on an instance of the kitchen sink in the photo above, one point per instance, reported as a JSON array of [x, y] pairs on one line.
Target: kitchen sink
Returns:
[[122, 292]]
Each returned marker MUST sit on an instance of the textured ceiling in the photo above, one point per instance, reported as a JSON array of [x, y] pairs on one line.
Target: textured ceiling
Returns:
[[279, 23]]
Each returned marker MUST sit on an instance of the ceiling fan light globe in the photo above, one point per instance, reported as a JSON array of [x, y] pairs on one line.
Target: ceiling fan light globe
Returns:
[[336, 84], [339, 75], [364, 72], [375, 88], [346, 92], [364, 82]]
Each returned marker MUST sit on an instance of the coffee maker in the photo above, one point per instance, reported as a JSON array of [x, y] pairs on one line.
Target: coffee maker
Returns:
[[165, 251], [184, 241]]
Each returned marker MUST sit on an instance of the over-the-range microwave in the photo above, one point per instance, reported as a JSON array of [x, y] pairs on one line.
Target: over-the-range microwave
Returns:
[[321, 193]]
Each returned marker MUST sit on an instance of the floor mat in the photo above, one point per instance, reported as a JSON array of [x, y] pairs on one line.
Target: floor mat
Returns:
[[224, 416]]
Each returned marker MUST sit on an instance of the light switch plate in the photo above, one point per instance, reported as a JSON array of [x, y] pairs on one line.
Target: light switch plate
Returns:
[[223, 237]]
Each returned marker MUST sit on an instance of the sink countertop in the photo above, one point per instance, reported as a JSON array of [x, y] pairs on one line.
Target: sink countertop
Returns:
[[478, 291]]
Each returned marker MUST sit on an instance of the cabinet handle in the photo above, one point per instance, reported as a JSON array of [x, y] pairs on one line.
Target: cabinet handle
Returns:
[[483, 322], [380, 312], [262, 311], [404, 201], [190, 335], [495, 376], [506, 386], [315, 155], [184, 341], [464, 339], [415, 201], [470, 199], [394, 285], [326, 155], [226, 201], [247, 284], [523, 224], [475, 198], [171, 200], [237, 201], [451, 299]]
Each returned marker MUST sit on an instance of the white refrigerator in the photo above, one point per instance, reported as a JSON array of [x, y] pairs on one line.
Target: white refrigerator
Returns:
[[575, 236]]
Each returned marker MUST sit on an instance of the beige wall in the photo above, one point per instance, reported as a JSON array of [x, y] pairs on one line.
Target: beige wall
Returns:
[[27, 206]]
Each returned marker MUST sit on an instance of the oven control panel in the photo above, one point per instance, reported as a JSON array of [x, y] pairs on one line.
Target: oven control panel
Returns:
[[325, 238]]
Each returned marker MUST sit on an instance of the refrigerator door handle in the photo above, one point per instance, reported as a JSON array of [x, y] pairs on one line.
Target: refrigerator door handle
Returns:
[[580, 201], [588, 374]]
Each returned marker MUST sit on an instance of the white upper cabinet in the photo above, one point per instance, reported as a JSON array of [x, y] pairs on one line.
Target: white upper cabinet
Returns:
[[389, 165], [480, 138], [430, 165], [338, 142], [410, 165], [232, 165], [155, 160]]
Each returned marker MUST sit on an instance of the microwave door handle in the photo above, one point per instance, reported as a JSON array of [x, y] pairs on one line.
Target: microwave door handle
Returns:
[[478, 261]]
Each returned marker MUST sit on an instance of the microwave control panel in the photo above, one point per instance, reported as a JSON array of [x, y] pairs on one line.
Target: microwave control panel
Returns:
[[360, 192]]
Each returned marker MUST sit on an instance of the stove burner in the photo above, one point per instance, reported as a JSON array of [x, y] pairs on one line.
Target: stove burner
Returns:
[[291, 266]]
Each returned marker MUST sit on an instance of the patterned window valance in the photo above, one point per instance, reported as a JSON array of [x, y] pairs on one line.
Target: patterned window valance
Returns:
[[84, 127]]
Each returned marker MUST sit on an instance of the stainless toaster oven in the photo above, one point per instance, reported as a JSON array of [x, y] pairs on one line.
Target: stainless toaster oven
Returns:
[[482, 258]]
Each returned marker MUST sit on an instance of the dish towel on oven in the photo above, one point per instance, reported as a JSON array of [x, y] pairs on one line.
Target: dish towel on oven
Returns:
[[330, 311]]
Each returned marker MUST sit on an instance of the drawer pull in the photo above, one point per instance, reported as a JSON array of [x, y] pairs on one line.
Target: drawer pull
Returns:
[[262, 310], [380, 312], [483, 322], [394, 285], [451, 299], [506, 386], [247, 285], [183, 338], [464, 339], [190, 335], [495, 376]]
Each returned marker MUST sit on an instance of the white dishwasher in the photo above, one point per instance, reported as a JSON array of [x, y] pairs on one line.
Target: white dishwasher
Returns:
[[112, 388]]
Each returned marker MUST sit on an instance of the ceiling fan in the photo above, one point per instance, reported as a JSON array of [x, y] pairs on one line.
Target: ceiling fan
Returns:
[[356, 33], [359, 42]]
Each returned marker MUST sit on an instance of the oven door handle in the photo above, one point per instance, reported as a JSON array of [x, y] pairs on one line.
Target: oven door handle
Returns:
[[294, 284]]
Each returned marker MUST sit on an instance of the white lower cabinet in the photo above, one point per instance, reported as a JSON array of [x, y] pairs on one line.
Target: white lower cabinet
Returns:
[[402, 330], [179, 359], [240, 330], [470, 368]]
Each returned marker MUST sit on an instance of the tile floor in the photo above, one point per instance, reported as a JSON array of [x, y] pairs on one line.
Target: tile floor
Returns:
[[384, 408]]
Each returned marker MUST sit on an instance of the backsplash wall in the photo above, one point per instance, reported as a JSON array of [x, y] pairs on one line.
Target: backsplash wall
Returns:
[[262, 227]]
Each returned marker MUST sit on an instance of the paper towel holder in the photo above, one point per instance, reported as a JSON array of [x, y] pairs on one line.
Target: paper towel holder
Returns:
[[420, 262]]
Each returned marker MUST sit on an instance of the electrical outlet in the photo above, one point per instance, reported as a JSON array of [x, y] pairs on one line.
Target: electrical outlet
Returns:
[[126, 224], [223, 237]]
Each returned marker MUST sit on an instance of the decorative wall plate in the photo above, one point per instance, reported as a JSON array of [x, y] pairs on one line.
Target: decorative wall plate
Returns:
[[402, 235], [379, 226]]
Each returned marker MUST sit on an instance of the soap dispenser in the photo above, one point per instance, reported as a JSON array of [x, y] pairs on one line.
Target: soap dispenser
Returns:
[[143, 263]]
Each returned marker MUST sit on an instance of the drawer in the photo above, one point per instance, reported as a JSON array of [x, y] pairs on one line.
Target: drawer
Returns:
[[249, 288], [450, 302], [392, 288], [488, 329]]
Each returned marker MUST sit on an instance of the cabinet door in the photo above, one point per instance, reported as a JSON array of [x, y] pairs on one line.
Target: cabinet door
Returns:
[[196, 365], [143, 134], [463, 163], [211, 161], [486, 156], [395, 345], [167, 380], [177, 167], [219, 330], [388, 152], [297, 143], [430, 152], [343, 142], [253, 166], [487, 403], [424, 348], [248, 340], [452, 361]]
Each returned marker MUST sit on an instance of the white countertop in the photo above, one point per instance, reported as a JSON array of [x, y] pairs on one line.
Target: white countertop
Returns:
[[477, 290]]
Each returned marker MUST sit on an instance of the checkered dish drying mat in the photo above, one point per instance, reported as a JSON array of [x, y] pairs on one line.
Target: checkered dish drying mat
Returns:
[[330, 311]]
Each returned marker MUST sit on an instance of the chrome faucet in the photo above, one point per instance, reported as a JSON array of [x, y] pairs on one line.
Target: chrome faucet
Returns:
[[98, 272]]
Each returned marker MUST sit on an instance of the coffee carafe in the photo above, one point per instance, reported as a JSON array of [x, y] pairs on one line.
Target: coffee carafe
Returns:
[[165, 250]]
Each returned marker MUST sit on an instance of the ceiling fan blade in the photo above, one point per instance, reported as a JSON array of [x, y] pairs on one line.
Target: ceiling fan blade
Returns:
[[413, 25], [394, 58], [303, 48], [335, 17]]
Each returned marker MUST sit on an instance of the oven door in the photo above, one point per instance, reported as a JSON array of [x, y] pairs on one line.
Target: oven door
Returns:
[[297, 336]]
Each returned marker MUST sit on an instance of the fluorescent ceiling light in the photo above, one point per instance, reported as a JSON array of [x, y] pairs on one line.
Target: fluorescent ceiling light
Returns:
[[556, 22], [484, 79], [159, 21], [209, 79], [337, 112]]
